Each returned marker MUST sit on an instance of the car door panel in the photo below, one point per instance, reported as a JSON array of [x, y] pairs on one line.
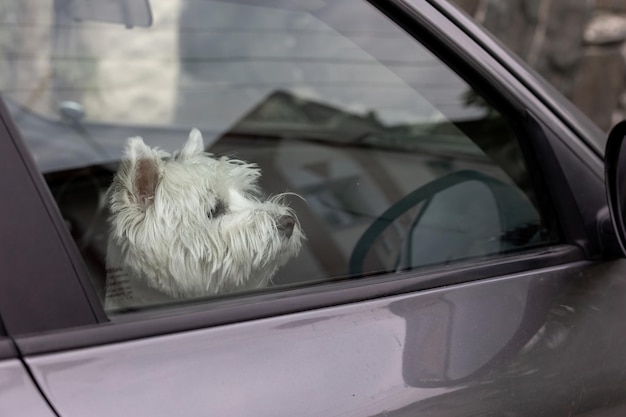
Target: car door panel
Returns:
[[18, 394], [460, 350]]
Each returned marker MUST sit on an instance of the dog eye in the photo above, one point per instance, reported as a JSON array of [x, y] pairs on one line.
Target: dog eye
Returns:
[[218, 209]]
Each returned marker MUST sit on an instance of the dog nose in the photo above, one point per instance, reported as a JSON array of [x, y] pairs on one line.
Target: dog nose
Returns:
[[285, 225]]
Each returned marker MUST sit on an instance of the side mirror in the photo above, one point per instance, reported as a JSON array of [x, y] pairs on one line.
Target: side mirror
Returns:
[[615, 175]]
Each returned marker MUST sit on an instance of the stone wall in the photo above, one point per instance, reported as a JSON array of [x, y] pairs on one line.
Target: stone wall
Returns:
[[578, 46]]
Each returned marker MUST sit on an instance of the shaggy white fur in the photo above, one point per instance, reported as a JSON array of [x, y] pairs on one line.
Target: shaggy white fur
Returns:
[[190, 225]]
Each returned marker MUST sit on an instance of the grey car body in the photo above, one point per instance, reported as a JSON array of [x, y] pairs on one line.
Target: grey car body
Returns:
[[539, 332]]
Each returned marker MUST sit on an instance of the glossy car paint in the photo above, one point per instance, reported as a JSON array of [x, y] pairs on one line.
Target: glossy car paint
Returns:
[[526, 344], [18, 393]]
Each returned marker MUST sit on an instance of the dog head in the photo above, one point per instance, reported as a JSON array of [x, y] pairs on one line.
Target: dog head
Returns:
[[192, 225]]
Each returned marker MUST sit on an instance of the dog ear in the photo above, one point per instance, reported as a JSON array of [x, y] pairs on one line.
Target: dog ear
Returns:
[[144, 175], [194, 145]]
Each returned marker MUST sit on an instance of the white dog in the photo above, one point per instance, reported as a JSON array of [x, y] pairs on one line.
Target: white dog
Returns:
[[190, 225]]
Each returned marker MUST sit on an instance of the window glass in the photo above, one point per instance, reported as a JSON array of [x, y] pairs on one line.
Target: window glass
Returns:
[[387, 160]]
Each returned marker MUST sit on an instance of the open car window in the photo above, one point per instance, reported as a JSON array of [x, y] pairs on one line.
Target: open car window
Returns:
[[387, 159]]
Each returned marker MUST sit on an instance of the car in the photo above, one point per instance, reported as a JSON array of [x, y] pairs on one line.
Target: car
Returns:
[[464, 233]]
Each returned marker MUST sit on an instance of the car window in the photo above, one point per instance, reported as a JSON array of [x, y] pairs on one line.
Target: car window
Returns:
[[339, 146]]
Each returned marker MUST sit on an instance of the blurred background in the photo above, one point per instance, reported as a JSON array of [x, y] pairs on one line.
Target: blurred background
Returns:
[[577, 45]]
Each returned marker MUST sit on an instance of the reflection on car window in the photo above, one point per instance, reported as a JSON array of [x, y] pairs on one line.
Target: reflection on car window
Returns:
[[388, 160]]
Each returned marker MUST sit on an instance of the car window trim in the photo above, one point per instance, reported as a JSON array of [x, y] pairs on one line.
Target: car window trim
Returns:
[[272, 302], [7, 349], [44, 260]]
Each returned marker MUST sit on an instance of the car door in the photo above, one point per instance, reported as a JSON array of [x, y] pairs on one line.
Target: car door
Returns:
[[456, 263], [19, 394]]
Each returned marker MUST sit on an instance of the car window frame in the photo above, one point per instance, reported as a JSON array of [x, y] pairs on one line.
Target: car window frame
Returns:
[[7, 349], [457, 50], [45, 249]]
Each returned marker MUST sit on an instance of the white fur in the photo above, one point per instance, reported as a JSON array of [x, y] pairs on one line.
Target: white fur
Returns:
[[190, 225]]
